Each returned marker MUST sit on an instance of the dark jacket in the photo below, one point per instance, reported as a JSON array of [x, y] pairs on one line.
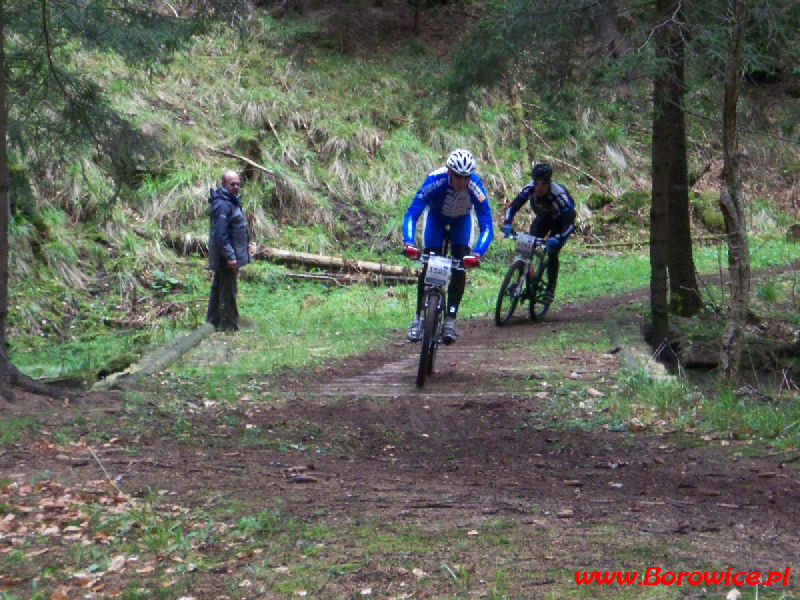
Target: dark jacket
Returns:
[[228, 237], [555, 212]]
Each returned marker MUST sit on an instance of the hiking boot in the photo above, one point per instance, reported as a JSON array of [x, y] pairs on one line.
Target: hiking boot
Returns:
[[415, 330], [449, 330]]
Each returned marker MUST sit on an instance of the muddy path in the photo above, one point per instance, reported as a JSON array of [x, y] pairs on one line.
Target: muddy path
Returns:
[[356, 442]]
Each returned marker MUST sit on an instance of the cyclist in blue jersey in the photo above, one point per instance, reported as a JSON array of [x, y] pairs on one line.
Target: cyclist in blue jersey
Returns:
[[554, 216], [448, 197]]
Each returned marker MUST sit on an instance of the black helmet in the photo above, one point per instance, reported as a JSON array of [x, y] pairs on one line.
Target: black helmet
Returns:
[[541, 171]]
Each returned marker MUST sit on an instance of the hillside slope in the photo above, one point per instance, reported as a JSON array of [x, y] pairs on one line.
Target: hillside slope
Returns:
[[334, 118]]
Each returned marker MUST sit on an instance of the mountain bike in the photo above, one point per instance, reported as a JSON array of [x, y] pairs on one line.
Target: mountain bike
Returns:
[[526, 280], [437, 278]]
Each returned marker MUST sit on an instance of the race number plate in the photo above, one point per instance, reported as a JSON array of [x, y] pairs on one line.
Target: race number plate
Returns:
[[438, 272], [525, 244]]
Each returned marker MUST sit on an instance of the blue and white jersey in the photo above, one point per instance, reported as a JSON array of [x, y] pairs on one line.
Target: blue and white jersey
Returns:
[[449, 207]]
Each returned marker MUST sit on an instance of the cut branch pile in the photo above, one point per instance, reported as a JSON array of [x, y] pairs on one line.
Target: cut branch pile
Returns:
[[185, 243], [175, 309]]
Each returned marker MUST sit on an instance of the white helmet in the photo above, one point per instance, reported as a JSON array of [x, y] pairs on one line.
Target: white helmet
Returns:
[[462, 162]]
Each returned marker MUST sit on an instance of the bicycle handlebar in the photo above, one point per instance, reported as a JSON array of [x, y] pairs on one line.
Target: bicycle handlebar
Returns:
[[468, 262], [537, 241], [457, 263]]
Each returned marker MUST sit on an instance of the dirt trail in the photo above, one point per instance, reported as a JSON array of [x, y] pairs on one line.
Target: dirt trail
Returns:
[[474, 442], [480, 442]]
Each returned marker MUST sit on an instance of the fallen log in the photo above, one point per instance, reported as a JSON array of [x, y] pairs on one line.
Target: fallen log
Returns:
[[334, 263], [352, 278], [188, 243], [156, 361]]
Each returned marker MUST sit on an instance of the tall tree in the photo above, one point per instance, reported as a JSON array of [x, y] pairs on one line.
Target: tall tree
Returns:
[[9, 375], [671, 259], [5, 212], [732, 202]]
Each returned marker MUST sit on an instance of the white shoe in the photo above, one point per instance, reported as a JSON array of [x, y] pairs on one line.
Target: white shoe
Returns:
[[449, 334], [415, 330]]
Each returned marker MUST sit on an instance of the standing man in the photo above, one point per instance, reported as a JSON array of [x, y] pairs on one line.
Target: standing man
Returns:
[[448, 196], [554, 211], [228, 250]]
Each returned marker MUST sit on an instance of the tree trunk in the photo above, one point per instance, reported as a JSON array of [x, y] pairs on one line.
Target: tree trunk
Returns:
[[732, 205], [683, 287], [5, 212], [417, 16], [9, 375], [665, 146], [607, 26]]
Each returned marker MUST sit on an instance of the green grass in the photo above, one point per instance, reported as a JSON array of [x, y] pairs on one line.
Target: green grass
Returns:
[[296, 325], [14, 428]]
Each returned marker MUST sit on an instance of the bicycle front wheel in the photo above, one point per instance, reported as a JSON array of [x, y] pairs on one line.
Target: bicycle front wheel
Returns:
[[510, 291], [427, 353], [538, 288]]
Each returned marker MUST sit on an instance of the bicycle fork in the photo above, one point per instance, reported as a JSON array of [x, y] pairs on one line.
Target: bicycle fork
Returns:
[[434, 300]]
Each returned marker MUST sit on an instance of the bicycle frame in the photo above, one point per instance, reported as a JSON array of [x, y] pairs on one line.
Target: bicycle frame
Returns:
[[523, 281], [437, 278]]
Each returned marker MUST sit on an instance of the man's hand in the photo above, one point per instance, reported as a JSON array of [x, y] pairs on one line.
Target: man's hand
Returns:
[[411, 251], [553, 243], [507, 229], [472, 261], [232, 265]]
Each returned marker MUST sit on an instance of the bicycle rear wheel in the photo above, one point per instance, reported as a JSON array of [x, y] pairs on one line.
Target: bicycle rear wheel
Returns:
[[510, 292], [427, 353], [537, 290]]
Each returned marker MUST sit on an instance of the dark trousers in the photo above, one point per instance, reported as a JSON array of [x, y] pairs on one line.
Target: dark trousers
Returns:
[[542, 227], [222, 311], [458, 281]]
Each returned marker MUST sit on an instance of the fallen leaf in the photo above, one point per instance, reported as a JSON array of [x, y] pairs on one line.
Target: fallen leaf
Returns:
[[81, 578], [419, 573], [52, 530], [116, 563]]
